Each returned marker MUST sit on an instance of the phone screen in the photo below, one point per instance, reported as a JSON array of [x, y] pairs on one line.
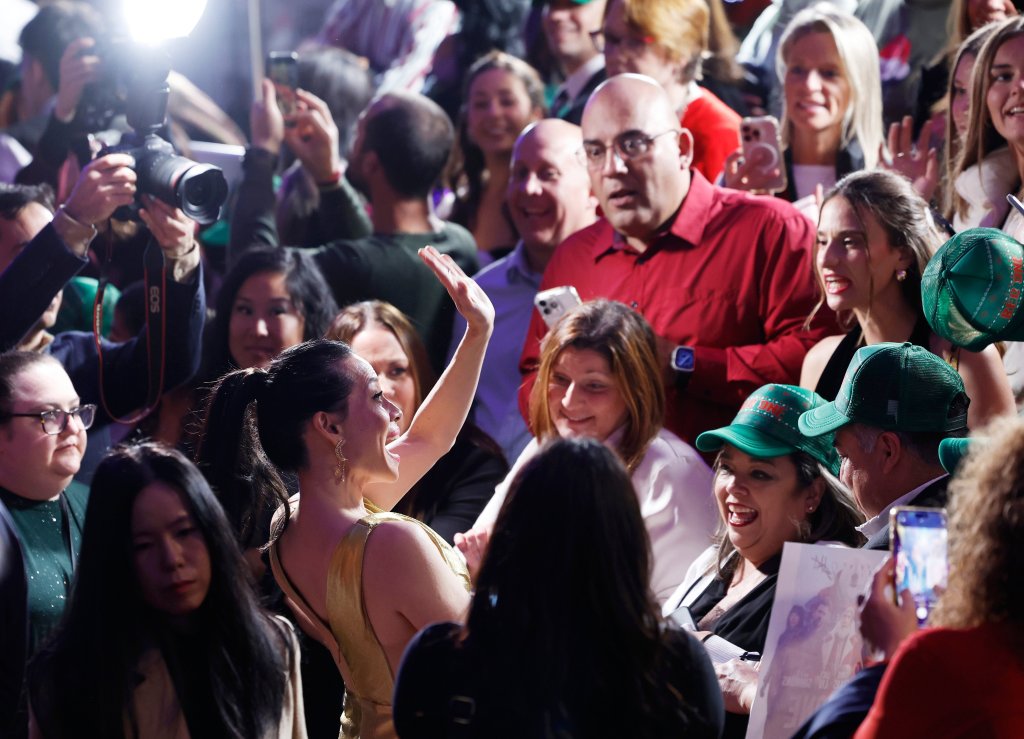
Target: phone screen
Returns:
[[283, 71], [919, 551]]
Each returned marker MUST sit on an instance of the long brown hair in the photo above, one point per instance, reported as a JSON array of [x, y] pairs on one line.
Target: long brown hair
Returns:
[[970, 47], [903, 215], [626, 341], [356, 318], [982, 136]]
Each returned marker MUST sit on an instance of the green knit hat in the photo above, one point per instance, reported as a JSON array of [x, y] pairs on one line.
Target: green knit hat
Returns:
[[896, 387], [766, 426], [973, 287]]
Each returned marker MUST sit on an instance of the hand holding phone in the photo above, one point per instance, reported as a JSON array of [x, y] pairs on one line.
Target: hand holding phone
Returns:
[[760, 167], [283, 71], [919, 548]]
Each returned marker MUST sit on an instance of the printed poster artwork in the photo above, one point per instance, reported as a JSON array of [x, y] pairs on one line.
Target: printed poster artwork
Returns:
[[813, 644]]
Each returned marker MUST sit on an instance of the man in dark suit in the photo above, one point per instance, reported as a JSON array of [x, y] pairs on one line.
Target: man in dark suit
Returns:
[[567, 27], [897, 402]]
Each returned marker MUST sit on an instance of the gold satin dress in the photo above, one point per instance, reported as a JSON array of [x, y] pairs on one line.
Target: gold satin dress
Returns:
[[367, 713]]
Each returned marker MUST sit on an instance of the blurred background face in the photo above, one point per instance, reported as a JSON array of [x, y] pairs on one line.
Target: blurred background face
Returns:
[[960, 100], [498, 109], [816, 89], [583, 395], [567, 26], [983, 12], [627, 49], [264, 320], [760, 500], [379, 346], [34, 464], [172, 563], [15, 235], [549, 189]]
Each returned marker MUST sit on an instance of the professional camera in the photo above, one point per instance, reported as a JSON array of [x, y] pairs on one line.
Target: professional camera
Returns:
[[135, 83]]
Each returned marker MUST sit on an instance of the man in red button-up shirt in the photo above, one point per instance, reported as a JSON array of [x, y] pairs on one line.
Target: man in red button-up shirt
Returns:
[[724, 277]]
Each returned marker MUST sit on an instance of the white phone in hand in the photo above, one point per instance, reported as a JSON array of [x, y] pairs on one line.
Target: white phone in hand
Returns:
[[556, 302]]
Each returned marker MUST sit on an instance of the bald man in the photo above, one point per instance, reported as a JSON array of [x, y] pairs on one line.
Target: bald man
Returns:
[[723, 277], [548, 198]]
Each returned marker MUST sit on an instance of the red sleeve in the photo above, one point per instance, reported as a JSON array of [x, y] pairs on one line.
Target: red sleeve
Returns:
[[715, 128], [913, 680], [787, 295]]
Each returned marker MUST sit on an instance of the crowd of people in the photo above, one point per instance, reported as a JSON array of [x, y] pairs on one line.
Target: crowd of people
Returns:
[[528, 337]]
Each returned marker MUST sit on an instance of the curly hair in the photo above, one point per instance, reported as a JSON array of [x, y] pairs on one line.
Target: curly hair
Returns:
[[986, 533]]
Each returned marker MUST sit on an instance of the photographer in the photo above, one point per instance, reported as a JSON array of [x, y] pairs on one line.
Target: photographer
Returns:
[[59, 63], [38, 256]]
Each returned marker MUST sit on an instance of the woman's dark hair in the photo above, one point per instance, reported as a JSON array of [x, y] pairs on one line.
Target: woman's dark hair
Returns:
[[253, 424], [12, 364], [309, 292], [467, 168], [563, 613], [835, 519], [107, 626]]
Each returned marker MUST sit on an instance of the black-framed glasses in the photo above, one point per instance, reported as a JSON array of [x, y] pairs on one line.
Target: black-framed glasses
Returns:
[[628, 145], [55, 421]]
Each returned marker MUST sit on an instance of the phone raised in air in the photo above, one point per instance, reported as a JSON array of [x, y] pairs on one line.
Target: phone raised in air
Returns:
[[919, 552], [763, 166], [283, 71]]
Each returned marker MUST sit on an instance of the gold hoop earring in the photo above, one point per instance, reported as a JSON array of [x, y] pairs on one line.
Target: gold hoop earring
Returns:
[[341, 468]]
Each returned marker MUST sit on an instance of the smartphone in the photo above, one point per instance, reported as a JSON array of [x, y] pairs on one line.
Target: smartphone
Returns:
[[556, 302], [919, 553], [764, 167], [283, 71]]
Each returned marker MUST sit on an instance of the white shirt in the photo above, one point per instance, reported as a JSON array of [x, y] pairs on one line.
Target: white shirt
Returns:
[[673, 485], [575, 82], [873, 525]]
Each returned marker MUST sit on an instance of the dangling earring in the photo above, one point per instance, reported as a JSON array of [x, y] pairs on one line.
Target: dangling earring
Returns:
[[901, 275], [341, 468]]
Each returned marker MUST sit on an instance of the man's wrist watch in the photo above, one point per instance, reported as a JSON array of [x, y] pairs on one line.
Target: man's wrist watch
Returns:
[[682, 363]]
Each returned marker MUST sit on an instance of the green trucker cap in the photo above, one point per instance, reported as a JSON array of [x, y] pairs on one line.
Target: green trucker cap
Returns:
[[766, 426], [896, 387], [973, 287]]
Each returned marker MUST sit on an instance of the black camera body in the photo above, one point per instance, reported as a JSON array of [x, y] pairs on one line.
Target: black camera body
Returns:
[[198, 189], [134, 82]]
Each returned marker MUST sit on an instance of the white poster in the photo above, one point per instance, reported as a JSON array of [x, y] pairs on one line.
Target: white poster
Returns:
[[813, 644]]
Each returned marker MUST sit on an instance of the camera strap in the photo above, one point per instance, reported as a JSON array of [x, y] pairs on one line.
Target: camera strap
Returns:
[[155, 278]]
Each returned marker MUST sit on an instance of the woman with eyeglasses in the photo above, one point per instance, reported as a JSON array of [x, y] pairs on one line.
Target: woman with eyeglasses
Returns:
[[667, 40], [42, 440]]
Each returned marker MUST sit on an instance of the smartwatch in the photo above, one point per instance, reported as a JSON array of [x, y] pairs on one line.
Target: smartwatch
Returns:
[[682, 363]]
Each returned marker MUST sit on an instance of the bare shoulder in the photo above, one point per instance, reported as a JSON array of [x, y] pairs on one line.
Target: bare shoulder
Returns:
[[817, 358], [396, 545]]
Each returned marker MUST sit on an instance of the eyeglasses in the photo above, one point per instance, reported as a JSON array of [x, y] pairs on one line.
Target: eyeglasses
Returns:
[[627, 146], [603, 41], [55, 421]]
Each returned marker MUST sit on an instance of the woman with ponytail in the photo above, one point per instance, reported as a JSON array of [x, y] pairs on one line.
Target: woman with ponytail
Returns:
[[317, 412]]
